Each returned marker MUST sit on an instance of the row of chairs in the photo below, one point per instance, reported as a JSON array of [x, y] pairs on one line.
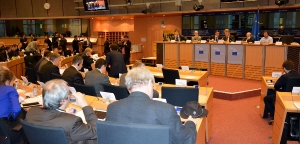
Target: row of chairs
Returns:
[[107, 133]]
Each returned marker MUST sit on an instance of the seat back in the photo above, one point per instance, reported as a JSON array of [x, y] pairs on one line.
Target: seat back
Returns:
[[41, 77], [292, 82], [86, 89], [120, 92], [128, 133], [44, 135], [170, 75], [56, 76], [4, 139], [67, 53], [179, 96], [31, 76]]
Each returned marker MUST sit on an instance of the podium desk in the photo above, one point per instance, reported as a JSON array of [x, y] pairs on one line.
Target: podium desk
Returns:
[[264, 89], [17, 66], [284, 104]]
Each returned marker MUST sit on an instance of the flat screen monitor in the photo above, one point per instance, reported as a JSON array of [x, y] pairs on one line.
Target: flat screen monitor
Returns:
[[287, 39], [95, 5]]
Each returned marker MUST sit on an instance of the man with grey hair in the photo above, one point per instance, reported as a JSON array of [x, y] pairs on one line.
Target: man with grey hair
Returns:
[[139, 107], [196, 37], [51, 66], [249, 38], [55, 101]]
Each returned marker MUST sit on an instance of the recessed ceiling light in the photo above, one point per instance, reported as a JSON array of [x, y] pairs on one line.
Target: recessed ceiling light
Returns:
[[163, 15]]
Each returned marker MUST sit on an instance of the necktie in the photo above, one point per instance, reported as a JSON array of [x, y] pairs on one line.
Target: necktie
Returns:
[[216, 39]]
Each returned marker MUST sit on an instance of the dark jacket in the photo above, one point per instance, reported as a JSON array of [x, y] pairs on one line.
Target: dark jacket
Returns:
[[75, 130], [48, 69], [248, 40], [48, 42], [63, 44], [181, 38], [13, 53], [87, 61], [22, 40], [55, 42], [116, 61], [127, 47], [75, 45], [214, 38], [281, 82], [86, 44], [231, 38], [71, 75], [4, 56], [139, 108]]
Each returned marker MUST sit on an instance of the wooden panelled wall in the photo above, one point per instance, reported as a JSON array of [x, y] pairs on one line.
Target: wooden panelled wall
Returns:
[[60, 8]]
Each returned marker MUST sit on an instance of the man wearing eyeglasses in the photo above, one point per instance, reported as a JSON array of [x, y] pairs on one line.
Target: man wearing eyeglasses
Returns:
[[56, 94]]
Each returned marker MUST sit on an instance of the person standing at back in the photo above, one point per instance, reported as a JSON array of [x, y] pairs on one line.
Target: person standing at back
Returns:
[[55, 40], [126, 49], [116, 62], [63, 42], [48, 42], [24, 42], [75, 44]]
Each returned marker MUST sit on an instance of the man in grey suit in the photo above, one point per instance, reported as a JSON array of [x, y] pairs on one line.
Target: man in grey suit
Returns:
[[56, 95], [32, 46], [139, 107], [97, 77], [196, 37]]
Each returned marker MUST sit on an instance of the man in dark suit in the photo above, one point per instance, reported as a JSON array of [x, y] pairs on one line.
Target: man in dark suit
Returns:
[[279, 86], [75, 44], [228, 37], [63, 42], [19, 48], [249, 38], [87, 44], [97, 77], [54, 113], [55, 40], [24, 42], [215, 37], [139, 107], [51, 67], [33, 38], [4, 55], [178, 36], [87, 59], [126, 48], [48, 42], [106, 46], [42, 62], [13, 52], [71, 74], [116, 62]]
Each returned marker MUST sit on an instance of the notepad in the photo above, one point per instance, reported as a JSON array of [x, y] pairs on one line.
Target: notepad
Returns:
[[81, 115], [190, 77], [160, 99]]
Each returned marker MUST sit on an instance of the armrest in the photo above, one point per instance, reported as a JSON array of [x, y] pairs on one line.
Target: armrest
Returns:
[[17, 127]]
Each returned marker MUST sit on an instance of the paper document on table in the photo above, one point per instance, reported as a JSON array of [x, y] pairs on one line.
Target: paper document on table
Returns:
[[81, 115], [297, 104], [61, 71], [189, 77], [108, 95], [38, 99], [157, 74], [180, 82]]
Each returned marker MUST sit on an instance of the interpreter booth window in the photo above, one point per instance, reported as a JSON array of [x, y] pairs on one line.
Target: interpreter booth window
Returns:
[[2, 28], [75, 27], [186, 22], [48, 27], [29, 27]]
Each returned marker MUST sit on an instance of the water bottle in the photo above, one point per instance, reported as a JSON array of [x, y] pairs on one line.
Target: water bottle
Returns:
[[34, 91]]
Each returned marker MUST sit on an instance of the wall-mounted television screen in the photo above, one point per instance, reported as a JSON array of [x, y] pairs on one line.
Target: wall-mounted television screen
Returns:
[[95, 5]]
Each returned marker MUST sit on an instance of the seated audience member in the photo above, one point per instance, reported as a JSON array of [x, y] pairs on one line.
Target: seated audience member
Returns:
[[71, 74], [279, 86], [266, 39], [51, 66], [10, 107], [13, 52], [136, 64], [97, 77], [42, 61], [32, 46], [196, 37], [116, 62], [87, 59], [178, 36], [56, 95], [4, 55], [228, 37], [2, 46], [19, 48], [249, 38], [55, 50], [215, 37], [139, 107]]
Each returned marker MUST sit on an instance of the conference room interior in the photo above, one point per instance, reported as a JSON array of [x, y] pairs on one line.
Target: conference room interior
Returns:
[[231, 78]]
